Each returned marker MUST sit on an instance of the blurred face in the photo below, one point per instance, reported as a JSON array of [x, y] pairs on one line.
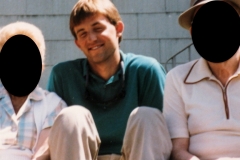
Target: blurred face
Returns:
[[215, 34], [98, 38]]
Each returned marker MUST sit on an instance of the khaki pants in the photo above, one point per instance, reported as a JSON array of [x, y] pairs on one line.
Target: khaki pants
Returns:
[[74, 136]]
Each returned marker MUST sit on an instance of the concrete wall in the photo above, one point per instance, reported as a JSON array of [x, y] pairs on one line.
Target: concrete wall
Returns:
[[151, 28]]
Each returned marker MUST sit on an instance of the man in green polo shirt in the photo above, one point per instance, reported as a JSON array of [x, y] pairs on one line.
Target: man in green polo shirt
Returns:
[[119, 96]]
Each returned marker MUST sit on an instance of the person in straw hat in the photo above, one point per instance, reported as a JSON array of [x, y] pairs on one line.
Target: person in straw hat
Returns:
[[201, 99], [27, 112]]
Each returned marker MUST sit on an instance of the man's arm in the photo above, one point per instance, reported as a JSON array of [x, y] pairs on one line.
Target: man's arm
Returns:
[[180, 150], [152, 85], [55, 82]]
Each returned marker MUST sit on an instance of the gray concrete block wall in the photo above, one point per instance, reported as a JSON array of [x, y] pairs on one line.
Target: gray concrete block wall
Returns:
[[151, 28], [140, 6], [177, 6]]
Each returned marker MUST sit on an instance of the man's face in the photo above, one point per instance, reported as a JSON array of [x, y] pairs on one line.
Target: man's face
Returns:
[[98, 38]]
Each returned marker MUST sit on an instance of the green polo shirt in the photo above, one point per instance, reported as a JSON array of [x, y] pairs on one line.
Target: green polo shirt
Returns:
[[144, 84]]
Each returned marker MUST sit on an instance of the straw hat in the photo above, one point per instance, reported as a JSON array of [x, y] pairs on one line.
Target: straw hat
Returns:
[[185, 19]]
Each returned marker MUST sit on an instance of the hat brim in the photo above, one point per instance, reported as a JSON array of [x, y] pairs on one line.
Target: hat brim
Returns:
[[185, 19]]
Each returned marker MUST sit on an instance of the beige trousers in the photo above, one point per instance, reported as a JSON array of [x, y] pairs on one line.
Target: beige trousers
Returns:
[[74, 136]]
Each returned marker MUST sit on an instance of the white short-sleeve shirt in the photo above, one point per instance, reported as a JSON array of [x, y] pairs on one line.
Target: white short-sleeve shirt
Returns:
[[198, 107]]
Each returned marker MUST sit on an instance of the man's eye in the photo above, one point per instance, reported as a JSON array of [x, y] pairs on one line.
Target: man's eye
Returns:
[[82, 35], [98, 29]]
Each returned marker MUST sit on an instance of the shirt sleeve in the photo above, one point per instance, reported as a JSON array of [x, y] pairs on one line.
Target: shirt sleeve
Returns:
[[152, 85], [55, 82], [174, 110], [53, 114]]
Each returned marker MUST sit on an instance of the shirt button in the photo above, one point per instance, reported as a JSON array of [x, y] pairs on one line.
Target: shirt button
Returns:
[[14, 129]]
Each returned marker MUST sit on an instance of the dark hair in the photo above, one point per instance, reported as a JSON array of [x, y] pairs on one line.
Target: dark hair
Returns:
[[87, 8]]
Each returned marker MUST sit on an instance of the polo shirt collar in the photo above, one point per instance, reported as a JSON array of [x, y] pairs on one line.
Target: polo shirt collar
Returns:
[[200, 70], [113, 78], [123, 56], [2, 90], [37, 94]]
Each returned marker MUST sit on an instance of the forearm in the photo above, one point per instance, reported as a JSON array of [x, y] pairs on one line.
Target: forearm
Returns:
[[183, 155], [180, 150]]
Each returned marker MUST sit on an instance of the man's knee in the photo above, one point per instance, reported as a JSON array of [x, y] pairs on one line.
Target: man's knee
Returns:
[[145, 113], [73, 115], [72, 111]]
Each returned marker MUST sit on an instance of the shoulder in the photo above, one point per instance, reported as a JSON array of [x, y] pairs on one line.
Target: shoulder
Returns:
[[50, 98], [70, 68], [63, 66], [140, 62], [180, 72], [47, 95]]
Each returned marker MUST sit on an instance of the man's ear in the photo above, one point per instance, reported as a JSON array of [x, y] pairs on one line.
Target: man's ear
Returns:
[[190, 30], [119, 28], [43, 67], [76, 42]]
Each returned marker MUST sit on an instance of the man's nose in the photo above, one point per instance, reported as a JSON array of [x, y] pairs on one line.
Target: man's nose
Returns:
[[92, 36]]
